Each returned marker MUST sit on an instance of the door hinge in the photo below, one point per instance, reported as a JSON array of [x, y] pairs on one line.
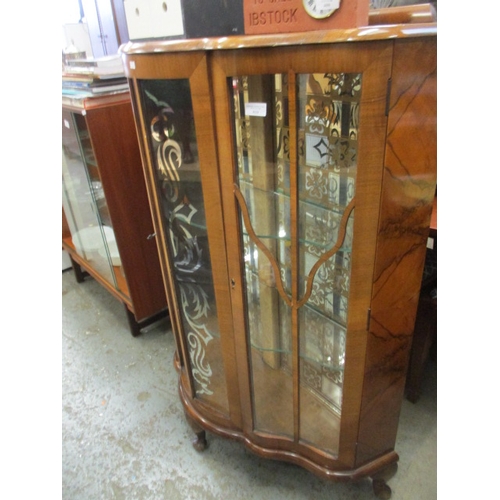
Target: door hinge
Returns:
[[388, 97], [368, 318]]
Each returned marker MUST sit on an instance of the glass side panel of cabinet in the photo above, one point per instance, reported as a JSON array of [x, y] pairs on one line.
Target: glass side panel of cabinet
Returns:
[[168, 113], [325, 140], [84, 202], [92, 170]]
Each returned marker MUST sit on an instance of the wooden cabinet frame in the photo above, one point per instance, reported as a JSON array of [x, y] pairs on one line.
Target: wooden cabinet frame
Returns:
[[395, 187]]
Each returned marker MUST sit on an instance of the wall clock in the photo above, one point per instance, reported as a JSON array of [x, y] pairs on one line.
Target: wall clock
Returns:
[[320, 9]]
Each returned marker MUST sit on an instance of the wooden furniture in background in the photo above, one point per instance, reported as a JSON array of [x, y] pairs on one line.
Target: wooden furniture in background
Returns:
[[107, 226], [106, 25], [407, 14], [291, 180]]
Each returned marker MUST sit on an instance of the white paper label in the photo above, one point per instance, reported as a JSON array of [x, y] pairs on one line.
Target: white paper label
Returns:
[[132, 64], [66, 123], [256, 108], [430, 243]]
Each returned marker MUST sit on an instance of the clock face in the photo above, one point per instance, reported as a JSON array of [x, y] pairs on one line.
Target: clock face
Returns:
[[319, 9]]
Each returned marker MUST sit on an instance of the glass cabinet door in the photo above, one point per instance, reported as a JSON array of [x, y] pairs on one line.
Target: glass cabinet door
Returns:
[[327, 116], [84, 201], [293, 188]]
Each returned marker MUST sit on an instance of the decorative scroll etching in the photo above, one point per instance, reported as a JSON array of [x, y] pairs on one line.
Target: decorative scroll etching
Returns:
[[183, 210], [322, 356], [196, 307]]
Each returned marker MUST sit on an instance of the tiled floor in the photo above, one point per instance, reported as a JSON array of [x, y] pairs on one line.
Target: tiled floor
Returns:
[[125, 436]]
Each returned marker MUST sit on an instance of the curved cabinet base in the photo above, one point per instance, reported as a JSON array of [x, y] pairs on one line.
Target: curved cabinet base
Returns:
[[379, 470]]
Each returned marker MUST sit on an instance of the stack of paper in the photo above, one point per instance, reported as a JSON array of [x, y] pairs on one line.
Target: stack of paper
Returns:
[[88, 77]]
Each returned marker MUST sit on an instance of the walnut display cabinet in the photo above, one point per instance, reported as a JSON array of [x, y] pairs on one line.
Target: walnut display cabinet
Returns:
[[291, 180], [107, 226]]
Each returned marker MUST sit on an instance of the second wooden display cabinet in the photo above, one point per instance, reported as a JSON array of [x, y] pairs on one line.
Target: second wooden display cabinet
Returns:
[[291, 179], [107, 227]]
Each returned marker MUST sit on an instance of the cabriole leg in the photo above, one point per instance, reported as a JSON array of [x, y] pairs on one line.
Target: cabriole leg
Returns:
[[200, 441], [379, 481]]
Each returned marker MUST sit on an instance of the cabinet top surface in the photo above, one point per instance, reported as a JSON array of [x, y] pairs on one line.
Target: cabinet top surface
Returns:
[[87, 103], [366, 33]]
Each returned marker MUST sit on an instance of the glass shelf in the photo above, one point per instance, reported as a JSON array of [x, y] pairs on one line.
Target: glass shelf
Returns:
[[268, 349], [324, 247], [279, 193]]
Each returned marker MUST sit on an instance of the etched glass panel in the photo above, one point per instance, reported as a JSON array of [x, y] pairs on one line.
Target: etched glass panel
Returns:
[[168, 112], [263, 165], [328, 112]]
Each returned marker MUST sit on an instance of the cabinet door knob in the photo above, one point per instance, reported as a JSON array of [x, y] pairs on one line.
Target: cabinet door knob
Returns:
[[151, 236], [233, 283]]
